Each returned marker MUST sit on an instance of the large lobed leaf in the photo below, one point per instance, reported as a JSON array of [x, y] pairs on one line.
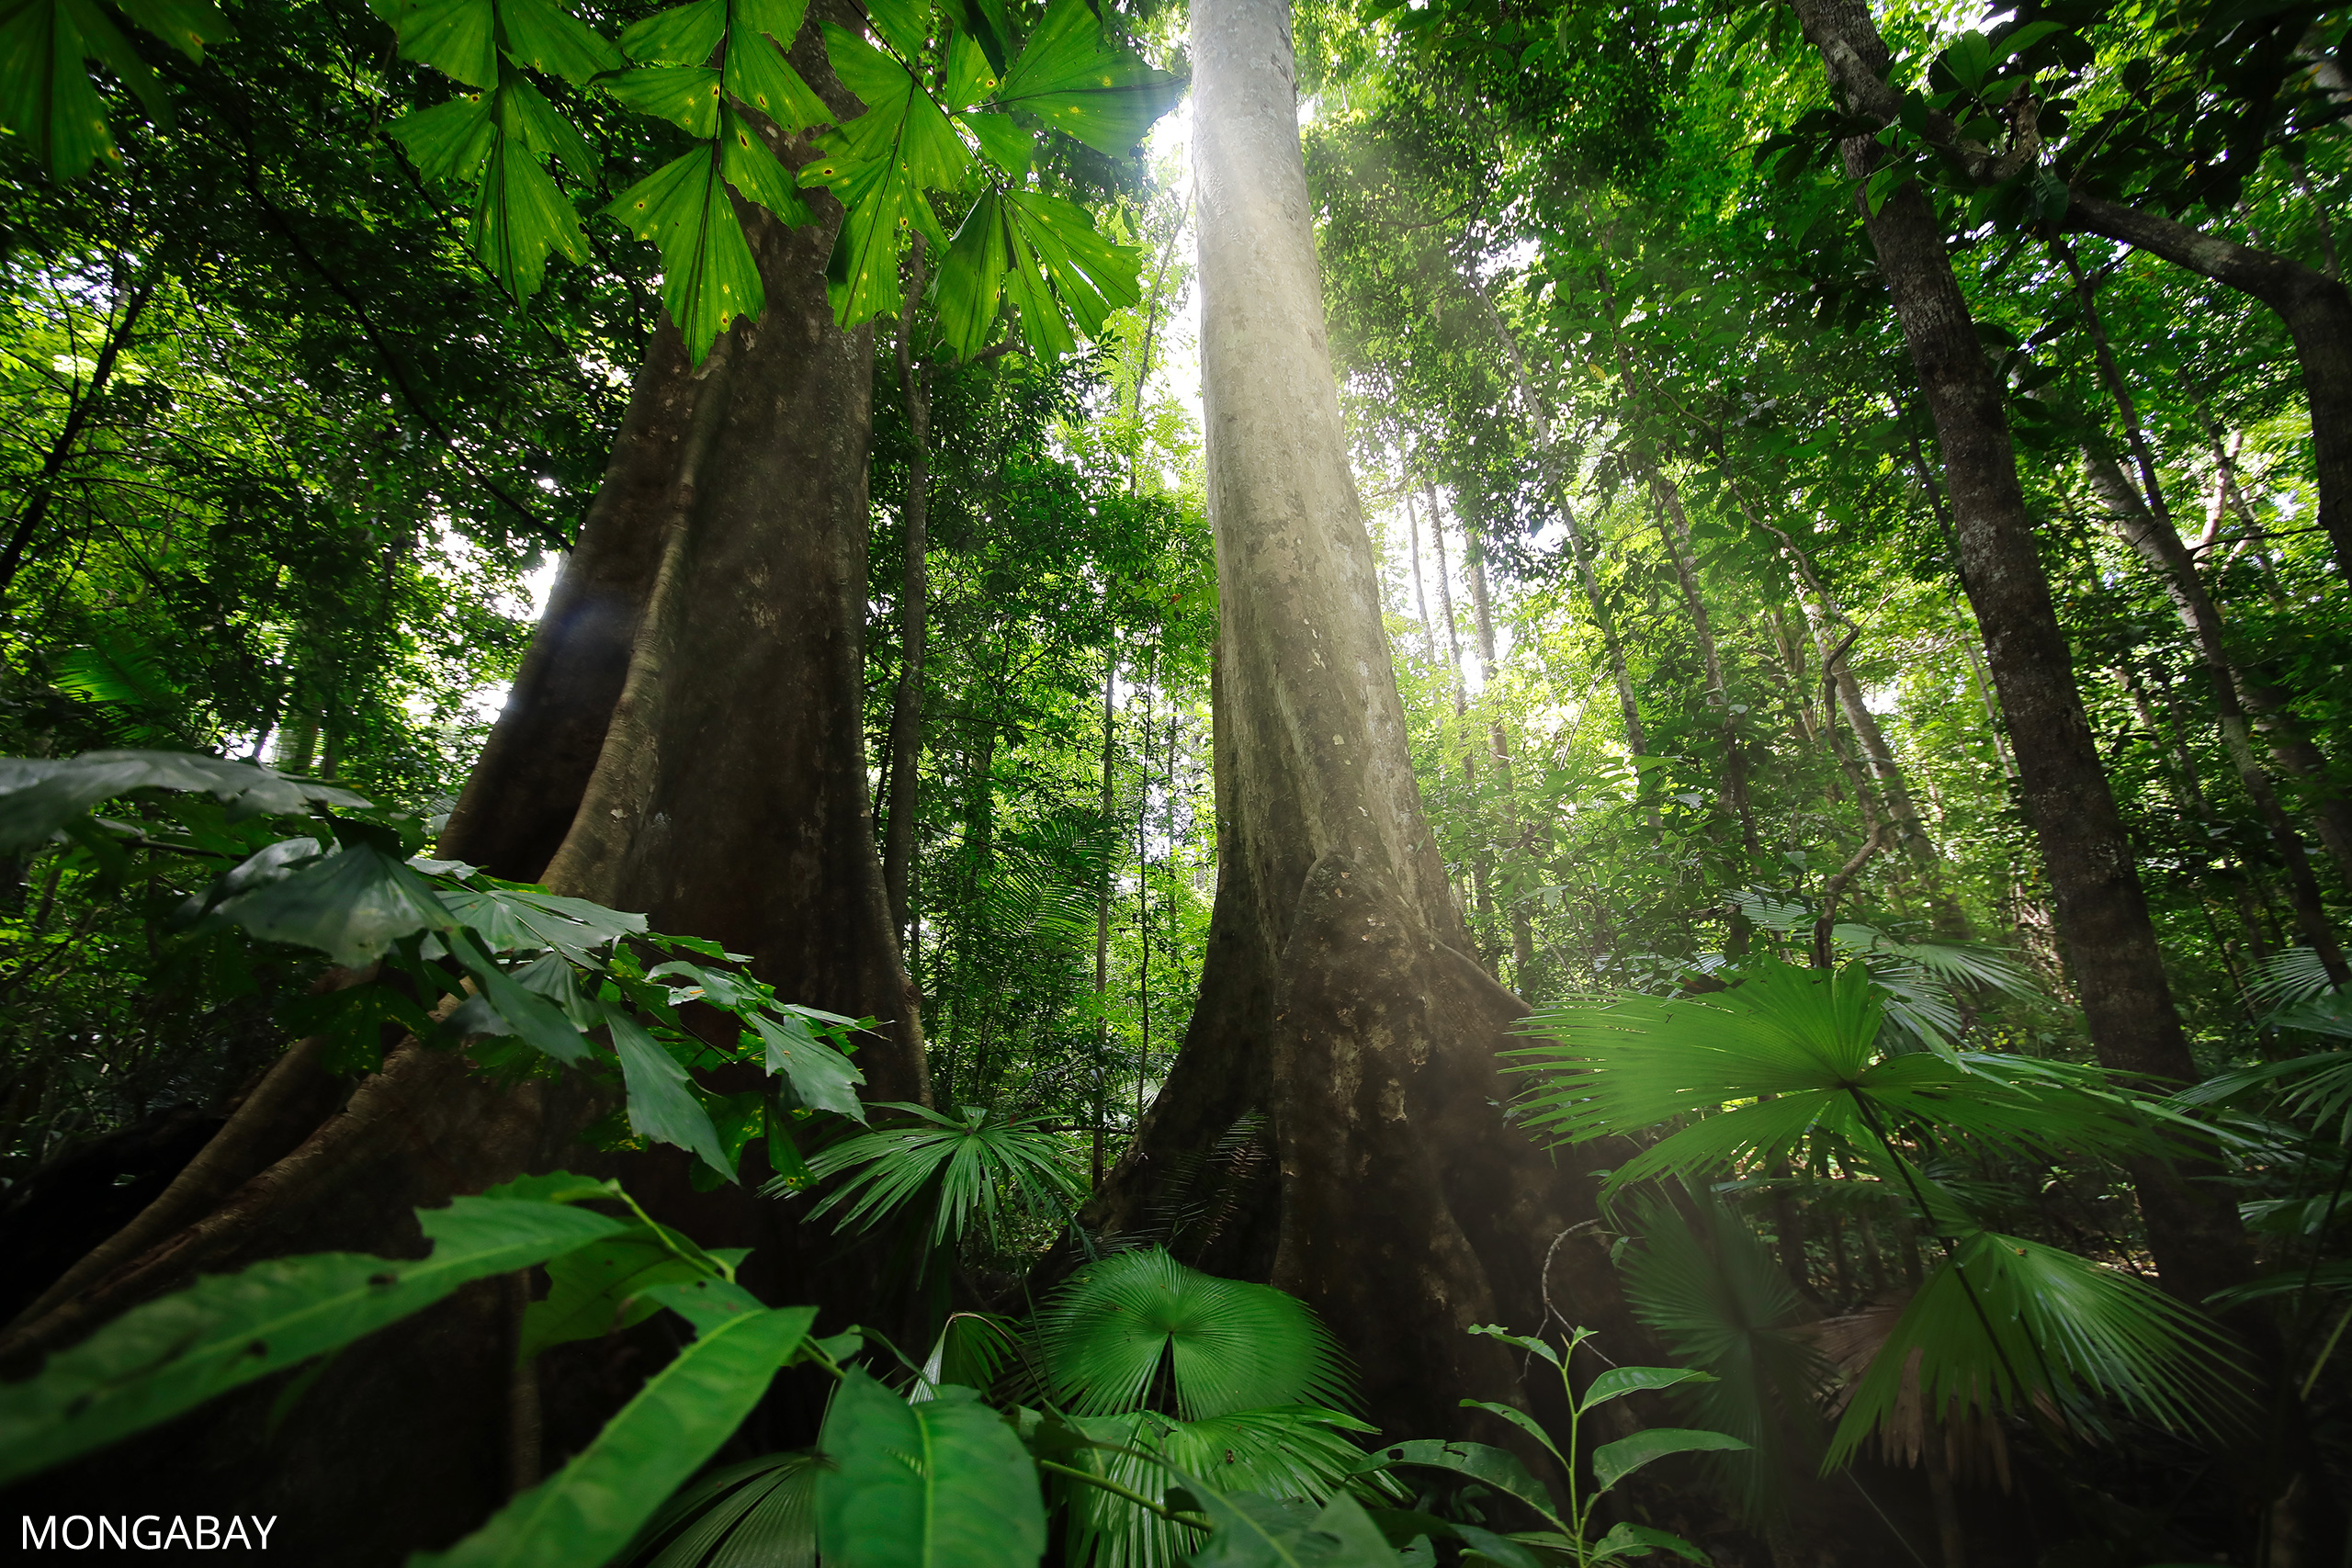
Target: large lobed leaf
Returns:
[[944, 1483]]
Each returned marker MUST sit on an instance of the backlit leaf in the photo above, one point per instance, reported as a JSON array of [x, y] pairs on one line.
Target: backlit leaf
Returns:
[[708, 275]]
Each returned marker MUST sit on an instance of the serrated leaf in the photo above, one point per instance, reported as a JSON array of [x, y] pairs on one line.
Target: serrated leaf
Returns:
[[970, 278], [591, 1508], [351, 906], [1611, 1462], [449, 141], [683, 35], [457, 38], [685, 96], [756, 174], [1008, 144], [525, 115], [519, 215], [1077, 83], [167, 1357], [1090, 276], [822, 1078], [944, 1484], [708, 275], [760, 76], [659, 1105], [546, 36], [905, 24]]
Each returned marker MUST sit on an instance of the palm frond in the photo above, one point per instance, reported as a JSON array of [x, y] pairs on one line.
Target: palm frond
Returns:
[[759, 1514], [2043, 1325], [1790, 1053], [1126, 1323], [1289, 1451], [974, 1168], [1716, 1296], [2293, 975]]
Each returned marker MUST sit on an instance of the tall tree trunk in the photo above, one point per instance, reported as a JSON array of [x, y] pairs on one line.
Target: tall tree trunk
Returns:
[[914, 606], [80, 407], [1674, 526], [726, 556], [2150, 534], [1420, 592], [1102, 923], [1522, 931], [1338, 996], [2193, 1227], [1482, 898], [2317, 312]]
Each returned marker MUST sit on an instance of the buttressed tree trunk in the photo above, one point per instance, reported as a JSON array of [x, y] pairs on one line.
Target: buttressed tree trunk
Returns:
[[1339, 996], [2193, 1227], [724, 557]]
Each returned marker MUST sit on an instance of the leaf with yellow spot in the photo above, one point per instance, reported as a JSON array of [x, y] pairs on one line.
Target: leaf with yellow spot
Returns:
[[708, 275]]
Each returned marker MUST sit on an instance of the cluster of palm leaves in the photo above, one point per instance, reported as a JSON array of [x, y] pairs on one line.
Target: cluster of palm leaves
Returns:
[[1800, 1067]]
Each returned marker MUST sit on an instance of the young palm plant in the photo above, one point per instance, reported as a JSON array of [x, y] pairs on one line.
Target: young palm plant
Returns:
[[1745, 1080], [1237, 1384]]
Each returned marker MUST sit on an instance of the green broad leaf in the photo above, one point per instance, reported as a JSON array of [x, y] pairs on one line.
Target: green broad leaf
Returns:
[[1626, 1539], [552, 977], [46, 97], [519, 217], [720, 988], [457, 38], [537, 1021], [1005, 141], [1611, 1462], [546, 36], [1251, 1531], [594, 1505], [747, 163], [985, 24], [525, 115], [1498, 1468], [683, 35], [970, 278], [38, 796], [822, 1078], [598, 1289], [451, 142], [557, 1187], [661, 1106], [1029, 293], [1533, 1344], [1091, 275], [759, 76], [511, 920], [1518, 1418], [187, 25], [710, 1301], [1618, 1382], [1079, 85], [1970, 59], [792, 1172], [905, 25], [708, 277], [780, 20], [685, 96], [972, 73], [352, 906], [1500, 1549], [881, 82], [944, 1484], [165, 1358]]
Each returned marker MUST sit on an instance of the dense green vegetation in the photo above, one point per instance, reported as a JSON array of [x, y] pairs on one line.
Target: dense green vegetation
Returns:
[[1726, 712]]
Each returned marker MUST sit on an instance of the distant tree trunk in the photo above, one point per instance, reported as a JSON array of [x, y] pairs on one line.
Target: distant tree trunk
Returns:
[[914, 606], [1340, 997], [724, 561], [1482, 898], [1675, 528], [2317, 312], [1102, 923], [1522, 931], [2193, 1226], [1420, 592]]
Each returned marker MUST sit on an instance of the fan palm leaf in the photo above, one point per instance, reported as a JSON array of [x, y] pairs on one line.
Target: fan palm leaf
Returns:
[[2005, 1323], [974, 1167], [1291, 1450], [759, 1514], [1121, 1324], [1750, 1073]]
